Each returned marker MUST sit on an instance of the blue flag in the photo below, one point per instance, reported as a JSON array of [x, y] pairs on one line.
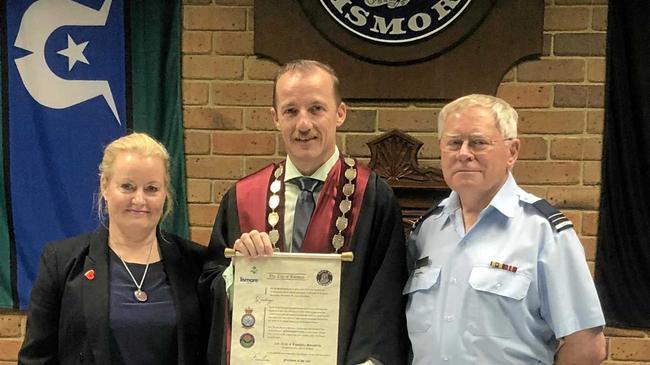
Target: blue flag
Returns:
[[66, 80]]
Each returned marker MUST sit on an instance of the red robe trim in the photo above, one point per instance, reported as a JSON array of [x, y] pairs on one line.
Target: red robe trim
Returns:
[[253, 209]]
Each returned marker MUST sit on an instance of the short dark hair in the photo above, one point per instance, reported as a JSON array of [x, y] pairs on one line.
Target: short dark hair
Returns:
[[305, 66]]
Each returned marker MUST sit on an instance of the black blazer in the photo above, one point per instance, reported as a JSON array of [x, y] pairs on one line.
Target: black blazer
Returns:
[[68, 314]]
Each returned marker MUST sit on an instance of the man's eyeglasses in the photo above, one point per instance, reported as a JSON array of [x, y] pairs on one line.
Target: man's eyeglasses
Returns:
[[476, 144]]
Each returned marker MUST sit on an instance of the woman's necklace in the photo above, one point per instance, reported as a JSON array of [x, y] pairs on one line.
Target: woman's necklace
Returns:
[[140, 295]]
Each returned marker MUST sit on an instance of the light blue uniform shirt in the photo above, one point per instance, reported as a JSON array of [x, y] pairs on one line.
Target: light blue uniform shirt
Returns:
[[463, 311]]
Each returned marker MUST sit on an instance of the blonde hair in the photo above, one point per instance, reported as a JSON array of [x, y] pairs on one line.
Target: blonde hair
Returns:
[[145, 146], [505, 115]]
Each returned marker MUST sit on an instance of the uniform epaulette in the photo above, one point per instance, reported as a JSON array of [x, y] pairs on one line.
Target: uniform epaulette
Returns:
[[557, 219], [424, 216]]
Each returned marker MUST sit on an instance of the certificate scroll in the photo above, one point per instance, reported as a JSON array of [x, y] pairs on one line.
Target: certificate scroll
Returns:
[[286, 309]]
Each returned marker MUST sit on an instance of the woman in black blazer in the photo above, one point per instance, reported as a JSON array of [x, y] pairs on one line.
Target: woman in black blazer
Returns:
[[127, 292]]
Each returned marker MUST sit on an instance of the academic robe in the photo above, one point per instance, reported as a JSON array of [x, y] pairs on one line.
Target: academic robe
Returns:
[[372, 312]]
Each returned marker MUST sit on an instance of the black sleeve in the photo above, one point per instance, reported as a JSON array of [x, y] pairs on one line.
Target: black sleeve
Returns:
[[224, 231], [42, 335], [212, 289], [380, 331]]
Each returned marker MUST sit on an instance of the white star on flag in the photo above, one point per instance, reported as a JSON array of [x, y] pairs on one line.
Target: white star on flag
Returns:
[[74, 52]]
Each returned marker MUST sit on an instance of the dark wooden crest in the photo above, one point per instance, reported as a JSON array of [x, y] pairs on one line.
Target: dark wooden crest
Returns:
[[393, 156]]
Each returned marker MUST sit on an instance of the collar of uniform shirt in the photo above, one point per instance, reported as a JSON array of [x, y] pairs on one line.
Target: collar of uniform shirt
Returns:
[[320, 174], [505, 201]]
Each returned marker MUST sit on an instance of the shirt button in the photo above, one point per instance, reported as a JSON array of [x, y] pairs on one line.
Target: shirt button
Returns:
[[449, 318], [445, 358], [498, 285], [452, 280]]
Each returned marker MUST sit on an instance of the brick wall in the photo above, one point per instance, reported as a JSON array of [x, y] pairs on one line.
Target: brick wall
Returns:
[[229, 133]]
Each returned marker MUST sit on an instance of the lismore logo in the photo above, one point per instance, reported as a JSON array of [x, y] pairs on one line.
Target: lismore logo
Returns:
[[395, 21]]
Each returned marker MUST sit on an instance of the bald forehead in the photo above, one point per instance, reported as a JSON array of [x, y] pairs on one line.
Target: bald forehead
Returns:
[[316, 77]]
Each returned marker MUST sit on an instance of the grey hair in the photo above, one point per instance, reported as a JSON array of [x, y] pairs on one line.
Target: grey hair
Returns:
[[505, 115]]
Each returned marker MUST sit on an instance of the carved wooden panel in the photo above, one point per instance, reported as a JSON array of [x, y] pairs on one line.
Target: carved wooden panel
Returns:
[[393, 156]]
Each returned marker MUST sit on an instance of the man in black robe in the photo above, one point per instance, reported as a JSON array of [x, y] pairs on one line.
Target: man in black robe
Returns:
[[354, 211]]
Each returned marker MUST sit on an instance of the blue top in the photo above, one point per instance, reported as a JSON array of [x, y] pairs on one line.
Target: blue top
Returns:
[[141, 333], [464, 310]]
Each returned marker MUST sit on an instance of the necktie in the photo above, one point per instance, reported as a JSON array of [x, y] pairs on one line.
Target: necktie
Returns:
[[304, 209]]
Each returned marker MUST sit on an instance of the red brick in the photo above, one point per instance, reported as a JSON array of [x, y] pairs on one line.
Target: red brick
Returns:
[[260, 69], [566, 18], [220, 187], [212, 118], [589, 245], [596, 70], [547, 45], [210, 167], [199, 191], [623, 332], [11, 325], [195, 93], [591, 173], [599, 18], [579, 2], [539, 191], [525, 95], [254, 164], [579, 96], [243, 143], [533, 148], [572, 148], [197, 143], [196, 42], [9, 349], [552, 122], [589, 223], [258, 119], [431, 146], [547, 172], [629, 348], [408, 120], [214, 18], [575, 217], [213, 67], [233, 43], [574, 197], [359, 120], [250, 20], [234, 2], [201, 214], [246, 94], [579, 44], [355, 144], [595, 121], [552, 70], [200, 235], [509, 76]]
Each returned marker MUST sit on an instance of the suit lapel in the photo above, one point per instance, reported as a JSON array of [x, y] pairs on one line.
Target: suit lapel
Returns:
[[96, 296]]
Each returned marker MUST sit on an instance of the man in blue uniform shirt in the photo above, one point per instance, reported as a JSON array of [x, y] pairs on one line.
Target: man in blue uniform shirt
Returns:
[[498, 275]]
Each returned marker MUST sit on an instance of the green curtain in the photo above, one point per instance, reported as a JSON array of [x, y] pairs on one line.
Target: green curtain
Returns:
[[6, 263], [155, 28]]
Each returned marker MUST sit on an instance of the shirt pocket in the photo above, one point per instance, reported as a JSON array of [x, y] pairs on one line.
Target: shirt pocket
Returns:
[[421, 288], [498, 302], [499, 282]]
